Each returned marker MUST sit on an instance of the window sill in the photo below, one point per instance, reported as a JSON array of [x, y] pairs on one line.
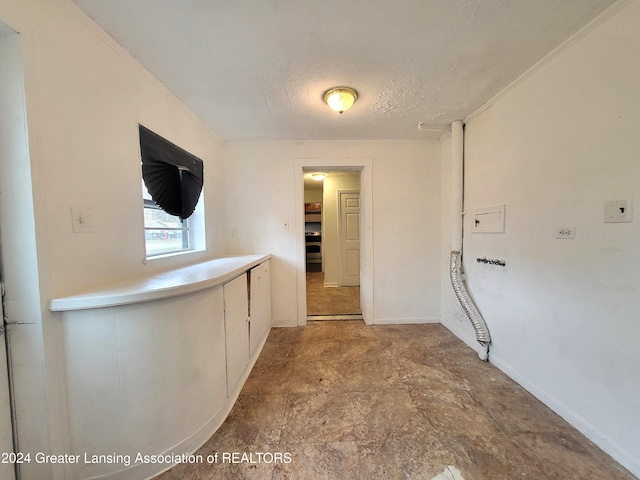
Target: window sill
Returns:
[[172, 254]]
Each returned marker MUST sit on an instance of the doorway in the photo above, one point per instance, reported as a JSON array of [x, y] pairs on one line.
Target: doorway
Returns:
[[332, 244], [364, 167]]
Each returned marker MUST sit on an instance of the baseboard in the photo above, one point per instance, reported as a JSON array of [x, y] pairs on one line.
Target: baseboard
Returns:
[[284, 323], [584, 426], [331, 284]]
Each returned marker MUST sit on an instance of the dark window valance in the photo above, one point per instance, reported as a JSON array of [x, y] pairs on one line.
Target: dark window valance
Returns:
[[172, 175]]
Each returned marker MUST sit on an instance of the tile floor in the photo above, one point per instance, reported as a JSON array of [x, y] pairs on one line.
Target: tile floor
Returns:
[[348, 401], [323, 300]]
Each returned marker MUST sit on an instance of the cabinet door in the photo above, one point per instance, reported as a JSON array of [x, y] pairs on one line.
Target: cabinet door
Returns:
[[260, 303], [236, 322]]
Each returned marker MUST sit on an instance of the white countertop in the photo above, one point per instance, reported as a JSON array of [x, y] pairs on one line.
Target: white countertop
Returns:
[[162, 285]]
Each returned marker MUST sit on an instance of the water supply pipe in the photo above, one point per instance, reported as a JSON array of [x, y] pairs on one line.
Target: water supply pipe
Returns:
[[456, 272]]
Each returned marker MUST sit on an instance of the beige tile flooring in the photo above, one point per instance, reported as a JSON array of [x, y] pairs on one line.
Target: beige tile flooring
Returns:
[[323, 300], [348, 401]]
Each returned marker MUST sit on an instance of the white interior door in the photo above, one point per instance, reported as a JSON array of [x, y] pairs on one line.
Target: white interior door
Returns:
[[6, 429], [349, 239]]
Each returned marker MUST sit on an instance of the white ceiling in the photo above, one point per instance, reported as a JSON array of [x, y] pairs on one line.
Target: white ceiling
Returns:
[[257, 69]]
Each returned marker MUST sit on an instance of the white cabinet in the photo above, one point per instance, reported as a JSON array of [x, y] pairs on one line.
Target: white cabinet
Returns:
[[236, 327], [260, 304], [172, 346], [247, 319]]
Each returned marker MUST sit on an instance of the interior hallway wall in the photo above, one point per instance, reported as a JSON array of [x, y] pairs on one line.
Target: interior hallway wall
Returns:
[[84, 99], [406, 219], [563, 314], [313, 196]]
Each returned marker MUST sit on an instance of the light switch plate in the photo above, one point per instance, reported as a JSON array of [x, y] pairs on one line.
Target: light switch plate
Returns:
[[618, 211]]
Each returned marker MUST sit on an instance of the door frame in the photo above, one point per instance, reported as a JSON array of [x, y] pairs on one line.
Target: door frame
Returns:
[[365, 166]]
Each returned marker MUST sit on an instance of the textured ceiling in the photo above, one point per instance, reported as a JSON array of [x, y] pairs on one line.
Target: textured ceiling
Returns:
[[257, 69]]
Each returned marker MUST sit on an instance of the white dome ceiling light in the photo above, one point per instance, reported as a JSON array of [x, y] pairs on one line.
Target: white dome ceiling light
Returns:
[[340, 99]]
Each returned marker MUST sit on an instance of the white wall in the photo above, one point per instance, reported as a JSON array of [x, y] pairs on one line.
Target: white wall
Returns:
[[563, 314], [84, 99], [92, 100], [406, 219]]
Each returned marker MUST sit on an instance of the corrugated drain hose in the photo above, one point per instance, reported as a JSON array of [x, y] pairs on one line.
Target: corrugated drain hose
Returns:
[[469, 307]]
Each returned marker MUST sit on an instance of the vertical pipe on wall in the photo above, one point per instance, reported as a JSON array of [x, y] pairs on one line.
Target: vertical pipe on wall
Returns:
[[457, 183], [457, 230]]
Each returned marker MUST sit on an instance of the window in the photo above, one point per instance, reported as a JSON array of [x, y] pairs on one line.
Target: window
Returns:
[[171, 190], [163, 233]]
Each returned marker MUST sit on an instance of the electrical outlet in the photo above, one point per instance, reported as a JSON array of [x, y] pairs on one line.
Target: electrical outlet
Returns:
[[566, 233]]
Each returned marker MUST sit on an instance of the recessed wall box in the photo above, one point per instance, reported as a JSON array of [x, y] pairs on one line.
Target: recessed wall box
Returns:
[[489, 219]]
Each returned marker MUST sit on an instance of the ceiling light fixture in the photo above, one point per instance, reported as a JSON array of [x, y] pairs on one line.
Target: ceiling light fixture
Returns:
[[340, 99], [318, 176]]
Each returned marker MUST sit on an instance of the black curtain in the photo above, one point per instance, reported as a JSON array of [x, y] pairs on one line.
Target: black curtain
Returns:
[[173, 176]]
